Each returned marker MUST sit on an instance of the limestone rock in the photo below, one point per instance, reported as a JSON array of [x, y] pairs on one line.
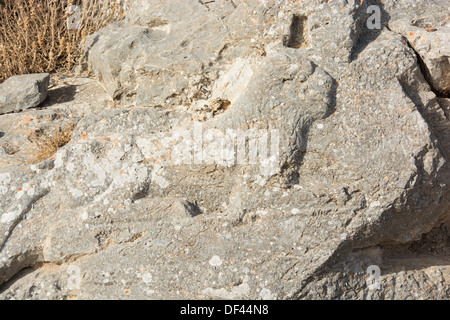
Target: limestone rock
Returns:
[[432, 45], [263, 150], [22, 92]]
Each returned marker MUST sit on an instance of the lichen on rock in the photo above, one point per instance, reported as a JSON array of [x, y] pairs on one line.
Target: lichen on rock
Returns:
[[241, 150]]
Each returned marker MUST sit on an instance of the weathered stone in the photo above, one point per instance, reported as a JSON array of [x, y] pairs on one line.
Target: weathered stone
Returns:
[[19, 93], [160, 57], [144, 202], [433, 47]]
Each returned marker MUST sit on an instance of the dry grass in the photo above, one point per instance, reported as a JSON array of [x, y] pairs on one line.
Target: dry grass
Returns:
[[35, 35], [47, 143]]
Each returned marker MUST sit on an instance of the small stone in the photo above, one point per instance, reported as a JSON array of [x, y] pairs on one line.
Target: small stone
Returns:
[[22, 92]]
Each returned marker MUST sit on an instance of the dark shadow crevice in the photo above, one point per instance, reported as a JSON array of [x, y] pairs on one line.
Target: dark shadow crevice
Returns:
[[297, 37]]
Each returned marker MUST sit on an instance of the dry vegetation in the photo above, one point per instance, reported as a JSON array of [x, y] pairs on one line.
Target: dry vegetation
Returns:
[[40, 35], [47, 143]]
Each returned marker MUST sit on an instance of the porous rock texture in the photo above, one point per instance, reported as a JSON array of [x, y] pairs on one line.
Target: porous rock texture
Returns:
[[361, 178]]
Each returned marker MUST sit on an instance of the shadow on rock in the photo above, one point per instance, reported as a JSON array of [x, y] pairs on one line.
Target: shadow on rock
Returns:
[[369, 35], [60, 95]]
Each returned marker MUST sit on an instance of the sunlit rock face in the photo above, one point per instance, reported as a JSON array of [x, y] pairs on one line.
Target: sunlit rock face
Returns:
[[246, 150]]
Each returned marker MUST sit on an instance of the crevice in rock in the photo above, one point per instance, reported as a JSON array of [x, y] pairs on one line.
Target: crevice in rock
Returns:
[[205, 3], [18, 263], [426, 74], [221, 54], [42, 266], [424, 69], [423, 261], [432, 110], [142, 193], [19, 275], [31, 261], [297, 37], [434, 116], [435, 242], [192, 208], [432, 250]]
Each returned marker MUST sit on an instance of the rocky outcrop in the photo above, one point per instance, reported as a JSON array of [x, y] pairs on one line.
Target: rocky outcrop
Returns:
[[262, 150], [426, 29]]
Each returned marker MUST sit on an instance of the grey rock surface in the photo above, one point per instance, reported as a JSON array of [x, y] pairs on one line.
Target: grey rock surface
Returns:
[[433, 48], [22, 92], [147, 200]]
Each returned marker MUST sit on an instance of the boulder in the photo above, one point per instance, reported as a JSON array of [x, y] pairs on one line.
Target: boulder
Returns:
[[22, 92], [433, 49]]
